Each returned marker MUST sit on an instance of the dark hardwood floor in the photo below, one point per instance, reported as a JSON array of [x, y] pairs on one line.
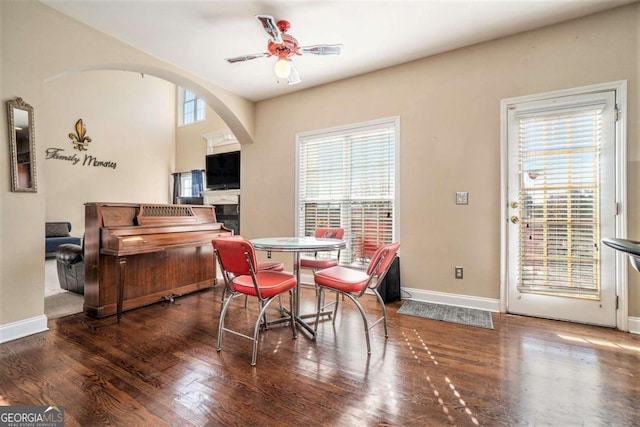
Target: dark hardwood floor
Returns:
[[160, 367]]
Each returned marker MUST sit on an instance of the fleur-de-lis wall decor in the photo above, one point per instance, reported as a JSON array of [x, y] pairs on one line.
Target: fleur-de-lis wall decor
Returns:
[[80, 139]]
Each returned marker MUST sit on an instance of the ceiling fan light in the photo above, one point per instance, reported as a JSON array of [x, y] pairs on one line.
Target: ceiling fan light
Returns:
[[282, 68]]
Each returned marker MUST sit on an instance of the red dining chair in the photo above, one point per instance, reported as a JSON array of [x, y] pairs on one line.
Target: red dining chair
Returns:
[[262, 265], [354, 283], [237, 258], [322, 260]]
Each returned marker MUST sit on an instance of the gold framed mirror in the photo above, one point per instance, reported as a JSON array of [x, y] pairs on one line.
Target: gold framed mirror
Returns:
[[22, 142]]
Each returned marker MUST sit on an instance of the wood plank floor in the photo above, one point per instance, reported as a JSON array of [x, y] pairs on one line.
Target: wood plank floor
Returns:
[[160, 367]]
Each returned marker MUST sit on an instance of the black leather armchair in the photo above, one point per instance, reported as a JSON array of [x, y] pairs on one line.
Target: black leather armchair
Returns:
[[70, 260]]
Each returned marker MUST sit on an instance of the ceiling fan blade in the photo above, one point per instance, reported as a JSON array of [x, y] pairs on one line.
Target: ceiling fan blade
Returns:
[[293, 76], [270, 27], [322, 49], [246, 57]]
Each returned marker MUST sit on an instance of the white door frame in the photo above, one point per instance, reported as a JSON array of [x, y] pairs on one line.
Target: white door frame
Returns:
[[620, 88]]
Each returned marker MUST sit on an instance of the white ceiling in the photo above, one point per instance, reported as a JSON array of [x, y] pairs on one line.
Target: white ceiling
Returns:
[[198, 35]]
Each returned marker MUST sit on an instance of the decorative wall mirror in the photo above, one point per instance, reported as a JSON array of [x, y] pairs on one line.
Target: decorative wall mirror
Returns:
[[22, 140]]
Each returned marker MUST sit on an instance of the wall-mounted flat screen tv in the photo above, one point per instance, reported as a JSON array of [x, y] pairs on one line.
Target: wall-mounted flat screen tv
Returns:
[[223, 171]]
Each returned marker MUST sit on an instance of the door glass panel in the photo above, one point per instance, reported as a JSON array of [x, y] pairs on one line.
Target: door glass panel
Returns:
[[559, 199]]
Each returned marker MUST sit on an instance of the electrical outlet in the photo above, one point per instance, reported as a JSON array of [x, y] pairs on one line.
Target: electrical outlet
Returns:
[[458, 272]]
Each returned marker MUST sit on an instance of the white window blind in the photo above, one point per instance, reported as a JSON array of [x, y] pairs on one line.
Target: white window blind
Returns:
[[346, 178], [559, 199]]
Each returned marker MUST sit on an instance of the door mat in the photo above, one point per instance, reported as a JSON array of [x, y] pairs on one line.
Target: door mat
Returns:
[[448, 313]]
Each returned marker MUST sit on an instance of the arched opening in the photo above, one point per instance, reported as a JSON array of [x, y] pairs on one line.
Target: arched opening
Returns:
[[109, 122]]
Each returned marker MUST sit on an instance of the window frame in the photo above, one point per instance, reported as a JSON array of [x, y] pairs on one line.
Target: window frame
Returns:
[[196, 102], [393, 121]]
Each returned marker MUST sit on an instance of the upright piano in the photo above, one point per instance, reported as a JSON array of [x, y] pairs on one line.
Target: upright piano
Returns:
[[138, 254]]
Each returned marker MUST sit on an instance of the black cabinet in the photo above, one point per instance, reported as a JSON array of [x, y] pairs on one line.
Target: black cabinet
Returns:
[[190, 201], [389, 289]]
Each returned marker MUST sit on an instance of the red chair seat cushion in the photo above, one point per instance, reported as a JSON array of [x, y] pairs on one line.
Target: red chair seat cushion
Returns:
[[271, 283], [342, 279], [270, 266], [318, 263]]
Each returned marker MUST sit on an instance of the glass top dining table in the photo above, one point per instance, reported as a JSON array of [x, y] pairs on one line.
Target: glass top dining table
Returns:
[[298, 245]]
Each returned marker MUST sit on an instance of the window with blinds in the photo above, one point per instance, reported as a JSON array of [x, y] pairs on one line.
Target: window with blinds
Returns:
[[347, 178], [559, 200]]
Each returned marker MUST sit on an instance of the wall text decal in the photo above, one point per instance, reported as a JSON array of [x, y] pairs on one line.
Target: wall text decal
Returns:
[[80, 142], [89, 160]]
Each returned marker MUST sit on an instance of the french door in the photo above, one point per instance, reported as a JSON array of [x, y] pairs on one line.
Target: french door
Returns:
[[561, 202]]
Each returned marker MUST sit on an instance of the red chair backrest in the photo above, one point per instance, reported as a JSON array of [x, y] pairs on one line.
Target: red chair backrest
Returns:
[[386, 252], [232, 255], [329, 233]]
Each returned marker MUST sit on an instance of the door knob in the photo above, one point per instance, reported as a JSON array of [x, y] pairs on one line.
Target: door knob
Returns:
[[515, 219], [514, 205]]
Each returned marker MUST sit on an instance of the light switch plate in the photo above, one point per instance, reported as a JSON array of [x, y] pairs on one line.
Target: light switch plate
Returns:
[[462, 198]]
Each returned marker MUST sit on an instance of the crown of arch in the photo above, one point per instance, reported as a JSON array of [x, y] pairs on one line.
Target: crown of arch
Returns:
[[235, 111]]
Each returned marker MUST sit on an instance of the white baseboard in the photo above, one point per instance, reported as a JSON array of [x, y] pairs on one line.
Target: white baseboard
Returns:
[[23, 328], [467, 301], [480, 303], [634, 325]]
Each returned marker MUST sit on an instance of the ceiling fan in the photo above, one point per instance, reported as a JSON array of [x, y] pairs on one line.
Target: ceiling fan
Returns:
[[284, 46]]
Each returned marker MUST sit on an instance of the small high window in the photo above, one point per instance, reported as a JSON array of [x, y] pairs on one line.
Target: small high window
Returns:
[[191, 107]]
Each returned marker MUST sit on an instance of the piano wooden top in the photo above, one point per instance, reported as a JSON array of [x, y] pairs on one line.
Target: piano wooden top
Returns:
[[131, 228], [138, 214]]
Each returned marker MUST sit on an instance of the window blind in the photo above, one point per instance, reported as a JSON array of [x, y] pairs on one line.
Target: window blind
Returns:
[[559, 199], [346, 178]]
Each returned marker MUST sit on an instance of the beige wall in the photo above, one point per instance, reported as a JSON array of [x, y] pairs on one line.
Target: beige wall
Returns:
[[4, 160], [22, 274], [131, 122], [449, 108], [40, 45]]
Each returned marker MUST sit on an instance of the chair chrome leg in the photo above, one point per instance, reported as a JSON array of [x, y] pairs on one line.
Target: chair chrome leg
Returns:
[[223, 313], [384, 312], [364, 320], [264, 316], [335, 309], [324, 306], [256, 330], [320, 294], [281, 307], [293, 319]]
